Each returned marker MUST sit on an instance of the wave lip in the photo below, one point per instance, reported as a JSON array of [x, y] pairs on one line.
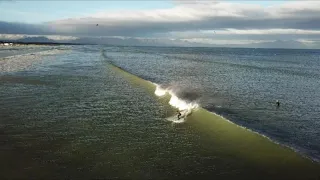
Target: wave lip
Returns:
[[182, 105]]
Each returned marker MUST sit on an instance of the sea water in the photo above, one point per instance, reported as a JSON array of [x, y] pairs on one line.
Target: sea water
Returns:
[[70, 114]]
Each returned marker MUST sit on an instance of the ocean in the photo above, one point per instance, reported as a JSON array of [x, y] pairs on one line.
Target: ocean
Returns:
[[110, 112]]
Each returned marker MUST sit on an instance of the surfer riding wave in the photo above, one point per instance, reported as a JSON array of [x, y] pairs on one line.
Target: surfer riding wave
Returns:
[[184, 107]]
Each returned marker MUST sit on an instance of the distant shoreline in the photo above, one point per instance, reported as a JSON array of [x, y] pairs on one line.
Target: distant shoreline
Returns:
[[20, 43], [17, 43]]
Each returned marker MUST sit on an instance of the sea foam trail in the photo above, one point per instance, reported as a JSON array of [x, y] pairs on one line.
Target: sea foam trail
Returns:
[[183, 106]]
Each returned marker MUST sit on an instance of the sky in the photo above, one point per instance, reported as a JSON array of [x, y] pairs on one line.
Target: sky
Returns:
[[43, 11], [194, 21]]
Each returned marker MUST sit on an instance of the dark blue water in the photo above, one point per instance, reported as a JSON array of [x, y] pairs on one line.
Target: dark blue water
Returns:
[[242, 85]]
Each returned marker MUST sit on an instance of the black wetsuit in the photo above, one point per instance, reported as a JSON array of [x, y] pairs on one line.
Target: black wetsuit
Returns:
[[179, 114]]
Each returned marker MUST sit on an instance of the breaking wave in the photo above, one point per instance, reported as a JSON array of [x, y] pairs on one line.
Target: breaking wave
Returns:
[[184, 105]]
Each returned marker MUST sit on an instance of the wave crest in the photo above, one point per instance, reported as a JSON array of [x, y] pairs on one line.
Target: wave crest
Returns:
[[175, 101]]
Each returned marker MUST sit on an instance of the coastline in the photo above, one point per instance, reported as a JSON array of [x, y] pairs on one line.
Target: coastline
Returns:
[[19, 43]]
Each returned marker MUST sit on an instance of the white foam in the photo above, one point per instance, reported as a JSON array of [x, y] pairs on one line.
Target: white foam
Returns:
[[159, 91], [176, 102], [175, 120]]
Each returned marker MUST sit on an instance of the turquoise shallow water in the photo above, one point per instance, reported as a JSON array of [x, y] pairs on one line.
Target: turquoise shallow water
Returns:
[[74, 115]]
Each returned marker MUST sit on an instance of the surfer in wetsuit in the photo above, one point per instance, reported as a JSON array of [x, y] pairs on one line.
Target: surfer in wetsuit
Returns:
[[179, 115]]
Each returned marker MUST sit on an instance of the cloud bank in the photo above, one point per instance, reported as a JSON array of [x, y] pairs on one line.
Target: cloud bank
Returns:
[[210, 21]]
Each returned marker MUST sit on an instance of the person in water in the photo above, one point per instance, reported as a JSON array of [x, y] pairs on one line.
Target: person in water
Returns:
[[278, 103], [179, 115]]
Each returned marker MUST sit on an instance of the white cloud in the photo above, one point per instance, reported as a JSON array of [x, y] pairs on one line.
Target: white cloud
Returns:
[[221, 42], [296, 9], [199, 10], [252, 34], [200, 21], [308, 41], [58, 37], [194, 2], [180, 13], [262, 31], [195, 16]]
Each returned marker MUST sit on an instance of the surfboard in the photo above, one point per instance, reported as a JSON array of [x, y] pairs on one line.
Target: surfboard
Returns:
[[175, 119], [182, 118]]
